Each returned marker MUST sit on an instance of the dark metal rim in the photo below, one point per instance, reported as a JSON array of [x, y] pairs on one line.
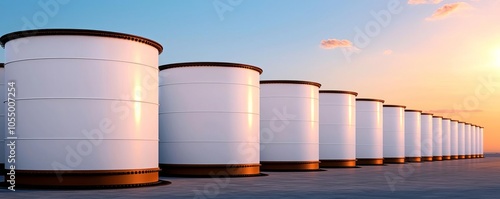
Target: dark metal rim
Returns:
[[395, 106], [437, 158], [207, 170], [81, 32], [290, 82], [369, 99], [325, 163], [339, 91], [394, 160], [413, 159], [445, 118], [210, 64], [290, 165], [370, 161], [413, 110], [427, 114], [87, 178], [436, 116]]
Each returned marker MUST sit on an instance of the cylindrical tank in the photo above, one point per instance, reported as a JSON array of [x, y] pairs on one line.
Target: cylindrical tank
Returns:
[[394, 133], [482, 142], [426, 136], [468, 141], [473, 141], [289, 134], [413, 147], [461, 140], [454, 139], [87, 106], [477, 142], [337, 128], [2, 118], [437, 138], [209, 119], [369, 131], [446, 139]]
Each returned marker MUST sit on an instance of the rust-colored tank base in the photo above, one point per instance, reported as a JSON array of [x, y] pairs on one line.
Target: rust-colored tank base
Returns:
[[413, 159], [468, 156], [472, 156], [461, 157], [370, 161], [290, 166], [446, 157], [454, 157], [427, 159], [394, 160], [337, 163], [86, 178], [482, 155], [437, 158], [210, 170]]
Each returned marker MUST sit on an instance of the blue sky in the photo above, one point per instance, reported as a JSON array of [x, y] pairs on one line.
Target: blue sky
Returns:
[[423, 62], [280, 36]]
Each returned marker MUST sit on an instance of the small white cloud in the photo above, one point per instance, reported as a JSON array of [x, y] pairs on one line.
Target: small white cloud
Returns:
[[336, 43], [447, 9], [416, 2]]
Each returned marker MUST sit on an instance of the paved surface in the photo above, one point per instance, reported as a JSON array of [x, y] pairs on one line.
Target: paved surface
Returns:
[[471, 178]]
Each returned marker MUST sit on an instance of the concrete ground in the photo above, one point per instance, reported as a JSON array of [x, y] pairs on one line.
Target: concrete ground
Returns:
[[470, 178]]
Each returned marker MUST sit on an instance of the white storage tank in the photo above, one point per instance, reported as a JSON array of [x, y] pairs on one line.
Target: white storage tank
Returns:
[[413, 148], [2, 118], [454, 139], [289, 134], [437, 138], [394, 133], [482, 142], [476, 142], [468, 141], [209, 119], [461, 140], [473, 144], [426, 136], [337, 128], [369, 131], [446, 139], [87, 106]]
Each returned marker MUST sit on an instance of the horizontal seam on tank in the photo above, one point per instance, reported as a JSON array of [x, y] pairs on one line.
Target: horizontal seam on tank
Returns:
[[205, 83], [164, 113], [94, 59], [293, 97], [343, 124], [212, 141], [20, 138], [82, 98], [291, 120], [336, 105], [289, 142]]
